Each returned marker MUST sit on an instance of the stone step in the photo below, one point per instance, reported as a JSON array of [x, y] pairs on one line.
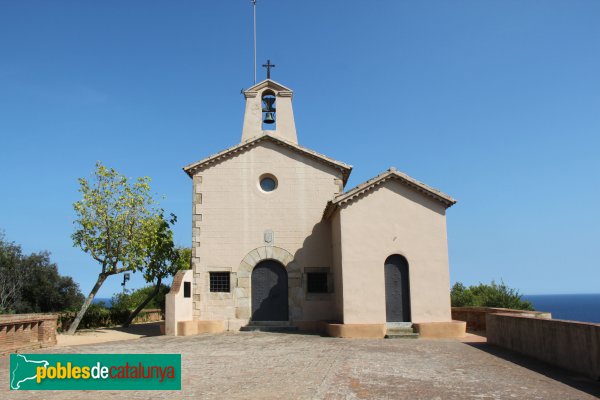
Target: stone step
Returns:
[[269, 323], [399, 331], [268, 328], [402, 336], [390, 325]]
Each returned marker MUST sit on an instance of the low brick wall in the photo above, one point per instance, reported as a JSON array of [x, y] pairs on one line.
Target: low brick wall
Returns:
[[567, 344], [475, 317], [26, 331], [149, 315]]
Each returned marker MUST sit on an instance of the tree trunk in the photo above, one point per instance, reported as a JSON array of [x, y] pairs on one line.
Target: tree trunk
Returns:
[[141, 306], [86, 304]]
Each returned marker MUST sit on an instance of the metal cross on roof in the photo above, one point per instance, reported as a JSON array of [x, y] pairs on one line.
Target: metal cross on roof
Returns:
[[268, 66]]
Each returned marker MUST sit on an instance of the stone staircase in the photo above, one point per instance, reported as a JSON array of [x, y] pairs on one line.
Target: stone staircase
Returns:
[[400, 330], [269, 326]]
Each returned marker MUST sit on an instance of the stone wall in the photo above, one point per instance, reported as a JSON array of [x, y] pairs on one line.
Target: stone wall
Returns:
[[235, 224], [149, 315], [27, 331], [567, 344], [475, 317]]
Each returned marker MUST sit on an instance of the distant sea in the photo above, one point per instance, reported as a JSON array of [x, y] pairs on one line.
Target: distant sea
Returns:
[[106, 300], [574, 307]]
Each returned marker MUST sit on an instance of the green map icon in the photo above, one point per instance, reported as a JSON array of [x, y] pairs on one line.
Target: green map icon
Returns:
[[23, 369]]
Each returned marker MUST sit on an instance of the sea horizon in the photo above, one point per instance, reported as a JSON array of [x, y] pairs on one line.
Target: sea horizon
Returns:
[[106, 300], [583, 307], [560, 294]]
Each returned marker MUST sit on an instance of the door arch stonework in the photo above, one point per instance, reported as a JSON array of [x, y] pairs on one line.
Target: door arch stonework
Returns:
[[242, 291]]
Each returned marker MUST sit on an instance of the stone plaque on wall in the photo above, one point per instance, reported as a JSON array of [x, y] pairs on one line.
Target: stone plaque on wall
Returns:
[[268, 237]]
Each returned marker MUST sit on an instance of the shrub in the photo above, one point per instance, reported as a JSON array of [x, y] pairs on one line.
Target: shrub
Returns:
[[492, 295], [98, 315], [129, 301]]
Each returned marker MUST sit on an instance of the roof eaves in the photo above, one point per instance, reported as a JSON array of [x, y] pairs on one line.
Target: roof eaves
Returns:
[[369, 185], [345, 168]]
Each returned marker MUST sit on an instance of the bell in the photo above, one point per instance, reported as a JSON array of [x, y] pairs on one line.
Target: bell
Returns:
[[269, 100], [269, 118]]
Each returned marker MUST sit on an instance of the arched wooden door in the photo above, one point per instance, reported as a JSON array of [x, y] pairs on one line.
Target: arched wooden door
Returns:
[[269, 292], [397, 290]]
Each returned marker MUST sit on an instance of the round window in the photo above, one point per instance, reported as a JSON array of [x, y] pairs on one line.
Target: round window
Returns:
[[268, 183]]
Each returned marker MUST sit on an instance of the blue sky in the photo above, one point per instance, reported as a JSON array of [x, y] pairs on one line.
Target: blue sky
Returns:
[[494, 102]]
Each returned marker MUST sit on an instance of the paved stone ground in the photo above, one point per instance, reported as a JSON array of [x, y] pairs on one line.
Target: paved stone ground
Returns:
[[295, 366]]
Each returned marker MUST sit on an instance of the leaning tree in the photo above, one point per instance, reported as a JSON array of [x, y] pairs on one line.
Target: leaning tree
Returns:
[[113, 222], [163, 259]]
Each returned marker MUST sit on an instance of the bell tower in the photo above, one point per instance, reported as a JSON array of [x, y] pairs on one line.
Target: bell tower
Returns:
[[269, 111]]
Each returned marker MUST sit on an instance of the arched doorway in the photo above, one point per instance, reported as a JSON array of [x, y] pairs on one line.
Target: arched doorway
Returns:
[[397, 289], [269, 292]]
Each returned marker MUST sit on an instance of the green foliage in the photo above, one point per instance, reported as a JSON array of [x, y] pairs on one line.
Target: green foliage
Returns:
[[12, 277], [460, 296], [46, 290], [185, 258], [31, 283], [97, 316], [162, 257], [112, 220], [115, 223], [129, 301], [100, 316], [492, 295]]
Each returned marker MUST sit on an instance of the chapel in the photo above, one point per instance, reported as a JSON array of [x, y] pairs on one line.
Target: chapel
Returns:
[[280, 243]]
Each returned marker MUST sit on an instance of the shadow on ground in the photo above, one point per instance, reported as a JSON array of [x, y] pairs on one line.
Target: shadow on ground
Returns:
[[564, 376], [145, 330]]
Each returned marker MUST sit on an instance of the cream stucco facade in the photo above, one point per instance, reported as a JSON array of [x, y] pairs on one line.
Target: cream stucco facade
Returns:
[[276, 239]]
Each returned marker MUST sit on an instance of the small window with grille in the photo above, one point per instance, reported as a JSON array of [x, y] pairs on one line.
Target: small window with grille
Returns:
[[316, 282], [187, 289], [219, 282]]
